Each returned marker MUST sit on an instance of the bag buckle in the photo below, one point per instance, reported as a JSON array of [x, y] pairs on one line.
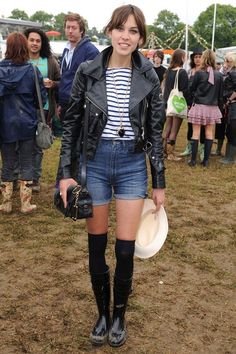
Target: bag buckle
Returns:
[[147, 146]]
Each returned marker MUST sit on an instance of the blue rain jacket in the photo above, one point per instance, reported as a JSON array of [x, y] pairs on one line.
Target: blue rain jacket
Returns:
[[18, 101]]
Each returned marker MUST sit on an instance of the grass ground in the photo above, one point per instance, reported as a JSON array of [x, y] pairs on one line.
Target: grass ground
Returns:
[[184, 297]]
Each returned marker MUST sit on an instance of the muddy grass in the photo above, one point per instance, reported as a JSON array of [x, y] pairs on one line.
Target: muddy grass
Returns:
[[184, 297]]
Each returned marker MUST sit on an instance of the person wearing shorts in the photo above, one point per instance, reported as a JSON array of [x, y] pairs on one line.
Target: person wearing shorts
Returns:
[[121, 92]]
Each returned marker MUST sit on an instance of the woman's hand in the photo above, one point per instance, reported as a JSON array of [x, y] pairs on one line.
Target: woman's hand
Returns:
[[63, 185], [158, 197]]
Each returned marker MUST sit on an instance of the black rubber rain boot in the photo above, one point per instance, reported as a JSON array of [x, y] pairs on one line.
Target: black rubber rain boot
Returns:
[[101, 289], [207, 152], [194, 148], [220, 143], [118, 332], [230, 155]]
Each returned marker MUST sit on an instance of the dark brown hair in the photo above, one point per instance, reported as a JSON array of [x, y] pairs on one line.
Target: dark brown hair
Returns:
[[45, 51], [177, 58], [17, 48], [120, 16], [159, 53], [76, 17]]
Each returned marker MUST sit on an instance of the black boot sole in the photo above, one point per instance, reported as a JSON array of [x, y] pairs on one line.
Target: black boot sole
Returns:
[[98, 342], [115, 345]]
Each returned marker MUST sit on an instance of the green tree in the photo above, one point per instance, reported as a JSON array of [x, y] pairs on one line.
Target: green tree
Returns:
[[225, 29], [167, 25], [19, 14], [93, 32], [59, 24], [46, 19]]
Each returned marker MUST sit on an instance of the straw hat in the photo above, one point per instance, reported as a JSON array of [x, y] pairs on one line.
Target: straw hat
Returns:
[[152, 231]]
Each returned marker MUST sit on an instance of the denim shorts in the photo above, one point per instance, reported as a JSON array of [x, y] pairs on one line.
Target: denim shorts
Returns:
[[116, 171]]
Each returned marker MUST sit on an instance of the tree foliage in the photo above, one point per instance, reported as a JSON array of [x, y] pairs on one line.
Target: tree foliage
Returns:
[[46, 19], [59, 23], [19, 14], [166, 25], [225, 29]]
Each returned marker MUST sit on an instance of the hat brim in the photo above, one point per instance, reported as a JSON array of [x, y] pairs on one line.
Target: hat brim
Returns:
[[152, 231], [198, 52]]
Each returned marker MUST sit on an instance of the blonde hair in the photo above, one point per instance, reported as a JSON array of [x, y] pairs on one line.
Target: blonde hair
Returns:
[[231, 56], [208, 59]]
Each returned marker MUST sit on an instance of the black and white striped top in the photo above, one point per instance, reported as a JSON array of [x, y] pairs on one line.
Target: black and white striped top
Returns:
[[118, 93]]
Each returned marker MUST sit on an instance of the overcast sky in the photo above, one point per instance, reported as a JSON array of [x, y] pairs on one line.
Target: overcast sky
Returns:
[[98, 13]]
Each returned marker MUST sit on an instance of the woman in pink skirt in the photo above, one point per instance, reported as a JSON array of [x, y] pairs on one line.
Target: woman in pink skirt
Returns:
[[207, 92]]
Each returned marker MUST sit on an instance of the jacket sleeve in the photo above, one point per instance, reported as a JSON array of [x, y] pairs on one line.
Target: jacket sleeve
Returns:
[[183, 83], [155, 119], [54, 75], [72, 128], [54, 71], [229, 84]]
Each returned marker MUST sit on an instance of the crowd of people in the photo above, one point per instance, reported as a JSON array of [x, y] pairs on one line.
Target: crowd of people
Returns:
[[210, 95], [126, 96]]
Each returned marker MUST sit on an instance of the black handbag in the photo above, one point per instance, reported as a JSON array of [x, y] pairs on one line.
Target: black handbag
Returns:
[[79, 201]]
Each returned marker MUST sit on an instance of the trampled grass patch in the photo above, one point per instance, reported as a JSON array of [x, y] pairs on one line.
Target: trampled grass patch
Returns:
[[182, 300]]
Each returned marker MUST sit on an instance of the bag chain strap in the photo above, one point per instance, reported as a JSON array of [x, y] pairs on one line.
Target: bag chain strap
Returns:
[[77, 192]]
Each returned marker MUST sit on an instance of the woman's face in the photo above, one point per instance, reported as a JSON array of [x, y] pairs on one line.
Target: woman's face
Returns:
[[228, 63], [197, 59], [126, 38]]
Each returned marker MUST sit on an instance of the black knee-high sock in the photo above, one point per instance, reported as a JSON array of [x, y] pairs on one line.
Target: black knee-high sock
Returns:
[[124, 259], [97, 247]]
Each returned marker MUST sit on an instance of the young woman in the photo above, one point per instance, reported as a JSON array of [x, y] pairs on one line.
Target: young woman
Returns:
[[195, 63], [126, 119], [173, 124], [207, 93], [18, 120]]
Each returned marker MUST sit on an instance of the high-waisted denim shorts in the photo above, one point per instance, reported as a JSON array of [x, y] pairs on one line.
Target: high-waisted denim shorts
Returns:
[[116, 171]]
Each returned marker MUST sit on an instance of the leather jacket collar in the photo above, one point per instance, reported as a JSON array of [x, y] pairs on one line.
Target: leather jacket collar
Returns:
[[96, 70]]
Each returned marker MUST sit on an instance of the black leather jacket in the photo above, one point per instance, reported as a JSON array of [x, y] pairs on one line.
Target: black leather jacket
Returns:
[[147, 114], [205, 93], [230, 83]]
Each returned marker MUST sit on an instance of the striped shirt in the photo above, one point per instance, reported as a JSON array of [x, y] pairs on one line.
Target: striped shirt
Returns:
[[118, 91]]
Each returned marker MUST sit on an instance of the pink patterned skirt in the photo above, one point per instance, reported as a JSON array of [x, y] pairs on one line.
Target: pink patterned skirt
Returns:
[[204, 115]]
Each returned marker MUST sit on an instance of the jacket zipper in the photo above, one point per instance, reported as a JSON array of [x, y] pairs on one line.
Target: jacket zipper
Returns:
[[95, 105]]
